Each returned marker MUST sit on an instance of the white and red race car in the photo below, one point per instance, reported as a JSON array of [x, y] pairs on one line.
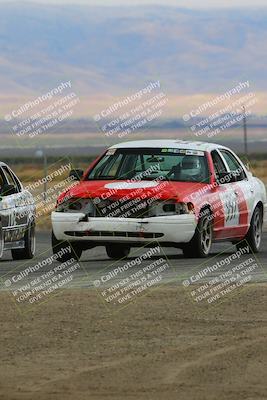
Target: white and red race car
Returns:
[[168, 192]]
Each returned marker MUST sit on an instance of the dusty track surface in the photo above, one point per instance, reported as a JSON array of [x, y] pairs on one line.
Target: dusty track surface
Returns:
[[162, 346]]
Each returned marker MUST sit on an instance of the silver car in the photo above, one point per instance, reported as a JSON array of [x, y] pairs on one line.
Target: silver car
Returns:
[[17, 216]]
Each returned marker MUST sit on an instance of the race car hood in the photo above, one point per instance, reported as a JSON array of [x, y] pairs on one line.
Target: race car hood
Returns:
[[163, 190]]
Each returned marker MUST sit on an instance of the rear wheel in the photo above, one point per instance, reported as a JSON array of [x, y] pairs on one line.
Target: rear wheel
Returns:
[[117, 251], [254, 235], [65, 250], [28, 251], [200, 244]]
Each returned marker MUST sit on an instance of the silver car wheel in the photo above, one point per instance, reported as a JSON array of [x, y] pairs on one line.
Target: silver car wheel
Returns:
[[206, 235], [257, 228]]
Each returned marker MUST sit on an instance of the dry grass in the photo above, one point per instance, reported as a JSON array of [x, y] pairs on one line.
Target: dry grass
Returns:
[[259, 169], [33, 172]]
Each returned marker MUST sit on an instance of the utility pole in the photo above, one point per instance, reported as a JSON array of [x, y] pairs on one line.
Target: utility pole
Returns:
[[42, 154], [245, 131], [45, 175]]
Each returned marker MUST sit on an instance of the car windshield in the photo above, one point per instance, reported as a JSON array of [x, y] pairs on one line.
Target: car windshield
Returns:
[[149, 164]]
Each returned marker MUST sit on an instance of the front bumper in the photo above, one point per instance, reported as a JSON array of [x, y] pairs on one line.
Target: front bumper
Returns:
[[171, 229]]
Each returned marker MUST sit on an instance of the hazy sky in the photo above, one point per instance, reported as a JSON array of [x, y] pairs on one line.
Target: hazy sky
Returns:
[[178, 3]]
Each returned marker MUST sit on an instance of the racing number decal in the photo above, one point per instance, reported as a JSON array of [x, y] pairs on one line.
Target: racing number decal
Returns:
[[230, 203], [232, 208], [12, 218]]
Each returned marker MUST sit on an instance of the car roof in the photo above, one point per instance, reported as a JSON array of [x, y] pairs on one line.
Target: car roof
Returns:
[[179, 144]]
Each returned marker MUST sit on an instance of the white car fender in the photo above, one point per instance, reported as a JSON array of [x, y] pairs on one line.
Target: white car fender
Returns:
[[259, 194]]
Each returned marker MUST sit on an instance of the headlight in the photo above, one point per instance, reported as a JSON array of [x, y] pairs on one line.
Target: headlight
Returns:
[[162, 208], [77, 205]]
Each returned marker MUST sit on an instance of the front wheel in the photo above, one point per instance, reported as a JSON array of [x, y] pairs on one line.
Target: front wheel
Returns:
[[200, 244], [2, 242], [117, 251], [254, 235], [28, 252], [64, 250]]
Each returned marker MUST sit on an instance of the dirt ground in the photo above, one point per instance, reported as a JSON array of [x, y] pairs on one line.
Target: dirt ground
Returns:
[[160, 347]]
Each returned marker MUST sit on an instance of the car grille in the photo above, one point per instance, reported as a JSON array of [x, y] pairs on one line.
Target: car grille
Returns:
[[146, 235], [134, 208]]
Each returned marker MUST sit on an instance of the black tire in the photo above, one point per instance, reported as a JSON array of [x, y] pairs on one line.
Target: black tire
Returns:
[[200, 244], [2, 242], [71, 250], [28, 252], [117, 251], [254, 235]]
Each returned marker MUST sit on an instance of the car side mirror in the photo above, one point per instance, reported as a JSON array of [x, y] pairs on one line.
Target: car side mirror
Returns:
[[76, 174], [7, 190]]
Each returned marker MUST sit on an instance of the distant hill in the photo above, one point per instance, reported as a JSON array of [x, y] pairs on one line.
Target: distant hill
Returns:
[[112, 50]]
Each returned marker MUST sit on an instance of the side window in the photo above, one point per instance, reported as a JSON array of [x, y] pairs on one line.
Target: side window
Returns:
[[3, 179], [11, 179], [114, 168], [218, 163], [234, 166], [107, 169]]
